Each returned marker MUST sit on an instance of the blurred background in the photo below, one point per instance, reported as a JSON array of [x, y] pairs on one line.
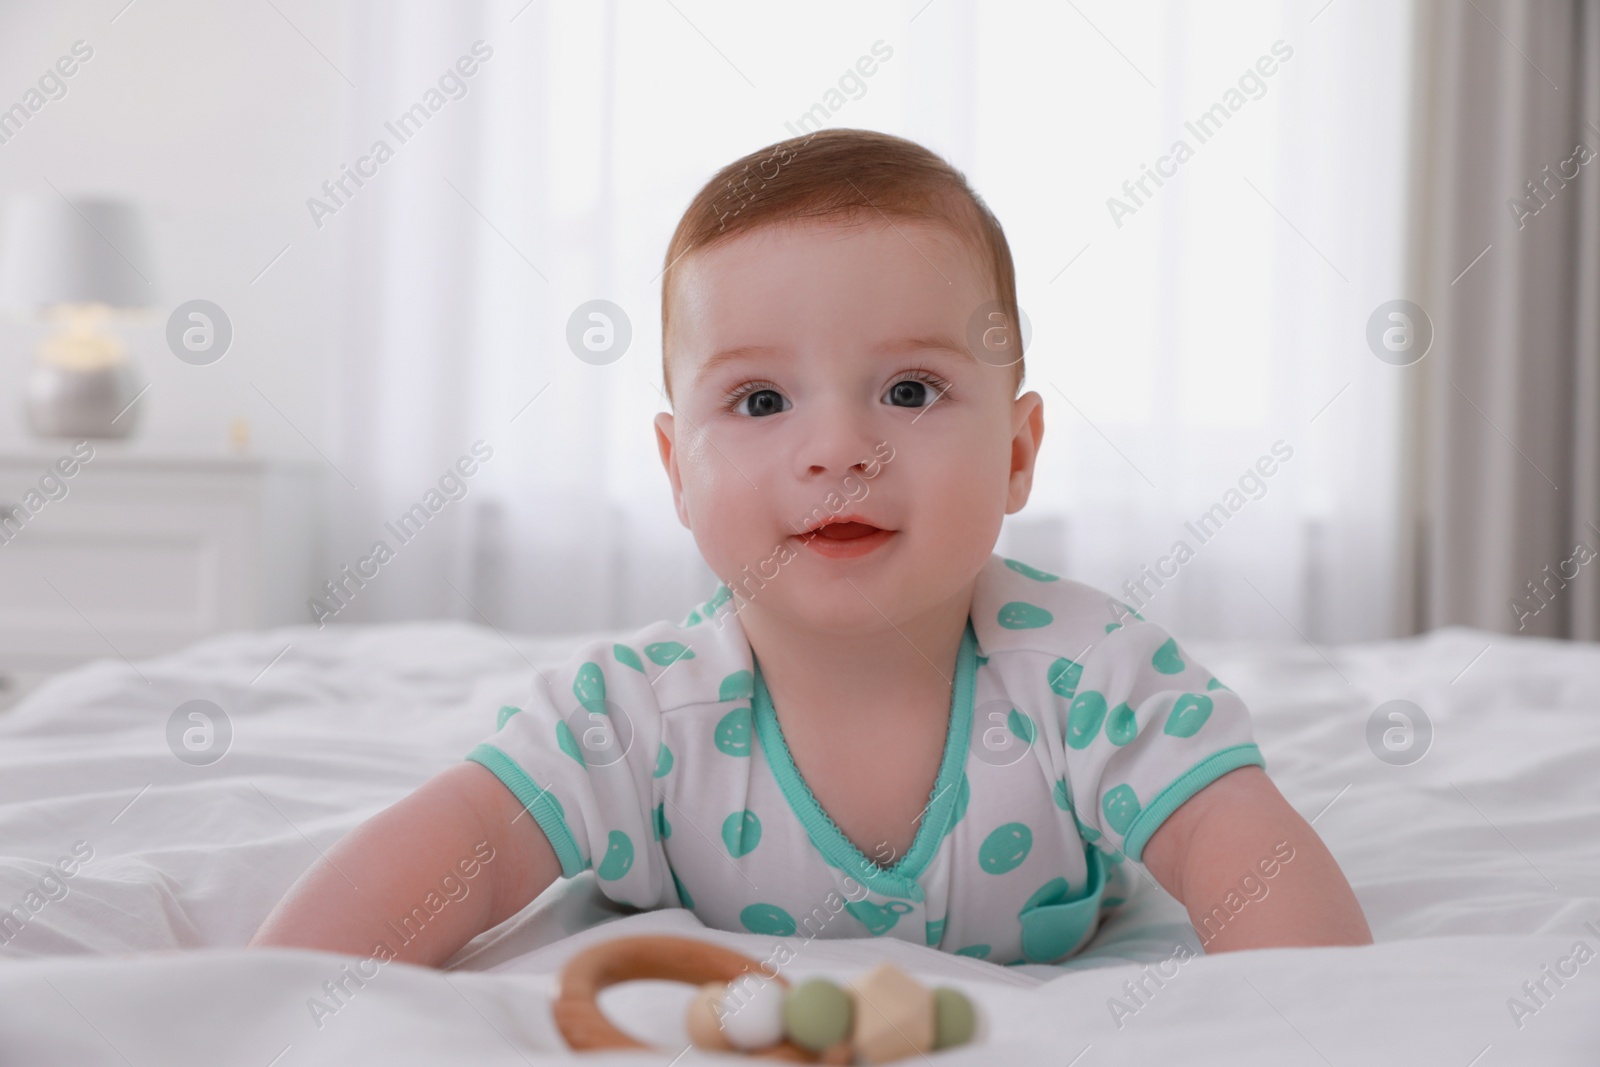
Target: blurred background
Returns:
[[1311, 288]]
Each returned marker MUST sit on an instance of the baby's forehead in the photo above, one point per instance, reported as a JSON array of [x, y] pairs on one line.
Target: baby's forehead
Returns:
[[885, 265], [853, 234]]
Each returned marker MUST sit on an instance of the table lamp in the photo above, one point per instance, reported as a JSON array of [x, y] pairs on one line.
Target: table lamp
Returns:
[[78, 263]]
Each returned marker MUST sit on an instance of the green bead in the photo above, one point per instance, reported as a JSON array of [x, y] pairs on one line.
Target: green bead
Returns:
[[817, 1014], [954, 1020]]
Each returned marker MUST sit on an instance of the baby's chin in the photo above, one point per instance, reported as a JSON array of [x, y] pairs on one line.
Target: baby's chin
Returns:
[[855, 600]]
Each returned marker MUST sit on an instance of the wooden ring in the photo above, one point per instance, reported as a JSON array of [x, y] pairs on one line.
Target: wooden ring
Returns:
[[675, 959]]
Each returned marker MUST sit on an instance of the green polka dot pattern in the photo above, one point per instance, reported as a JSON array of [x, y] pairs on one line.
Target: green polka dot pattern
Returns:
[[879, 919], [666, 653], [1020, 615], [740, 685], [1188, 715], [1063, 677], [1121, 725], [733, 732], [1166, 660], [1084, 718], [767, 919], [1005, 848], [741, 833], [590, 688], [618, 858], [662, 829], [1121, 807]]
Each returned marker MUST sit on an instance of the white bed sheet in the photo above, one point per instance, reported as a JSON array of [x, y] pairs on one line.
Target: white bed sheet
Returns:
[[1477, 866]]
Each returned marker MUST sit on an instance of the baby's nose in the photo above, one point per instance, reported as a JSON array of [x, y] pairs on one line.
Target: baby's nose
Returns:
[[840, 467], [839, 456], [836, 437], [837, 442]]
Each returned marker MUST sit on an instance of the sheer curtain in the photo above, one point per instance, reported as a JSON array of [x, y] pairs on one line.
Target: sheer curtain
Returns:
[[1184, 326]]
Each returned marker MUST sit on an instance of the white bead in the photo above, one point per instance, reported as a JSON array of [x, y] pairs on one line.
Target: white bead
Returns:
[[752, 1012]]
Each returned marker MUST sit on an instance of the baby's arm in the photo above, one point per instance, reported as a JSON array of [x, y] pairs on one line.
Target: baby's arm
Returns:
[[1206, 848], [401, 855]]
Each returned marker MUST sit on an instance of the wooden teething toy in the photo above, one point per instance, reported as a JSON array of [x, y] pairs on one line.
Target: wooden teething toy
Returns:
[[882, 1016]]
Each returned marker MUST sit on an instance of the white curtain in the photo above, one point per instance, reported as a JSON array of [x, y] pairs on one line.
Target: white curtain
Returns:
[[1175, 339]]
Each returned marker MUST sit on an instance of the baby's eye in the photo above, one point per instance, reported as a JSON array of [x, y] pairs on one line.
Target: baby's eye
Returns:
[[760, 402], [916, 392]]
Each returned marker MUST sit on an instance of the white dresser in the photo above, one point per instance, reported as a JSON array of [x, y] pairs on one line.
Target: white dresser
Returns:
[[133, 554]]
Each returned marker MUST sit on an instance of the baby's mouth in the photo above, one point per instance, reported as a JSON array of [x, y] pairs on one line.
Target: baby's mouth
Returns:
[[841, 531]]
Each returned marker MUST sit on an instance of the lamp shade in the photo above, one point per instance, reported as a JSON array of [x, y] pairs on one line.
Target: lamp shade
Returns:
[[86, 251]]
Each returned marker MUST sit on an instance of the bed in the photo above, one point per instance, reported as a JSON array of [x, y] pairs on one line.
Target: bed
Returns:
[[1478, 866]]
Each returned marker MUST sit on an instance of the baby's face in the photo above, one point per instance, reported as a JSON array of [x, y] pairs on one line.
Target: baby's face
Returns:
[[822, 372]]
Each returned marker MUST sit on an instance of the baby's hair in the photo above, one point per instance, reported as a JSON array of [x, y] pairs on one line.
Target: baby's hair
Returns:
[[848, 176]]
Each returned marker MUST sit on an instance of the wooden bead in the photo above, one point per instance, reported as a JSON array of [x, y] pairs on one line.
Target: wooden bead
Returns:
[[954, 1019], [893, 1015], [752, 1013], [817, 1014], [702, 1020]]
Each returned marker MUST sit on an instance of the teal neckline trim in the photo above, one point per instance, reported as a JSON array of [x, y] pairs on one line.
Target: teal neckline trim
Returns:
[[899, 880], [1181, 789]]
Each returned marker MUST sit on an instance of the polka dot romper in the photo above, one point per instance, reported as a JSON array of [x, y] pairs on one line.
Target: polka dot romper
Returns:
[[659, 763]]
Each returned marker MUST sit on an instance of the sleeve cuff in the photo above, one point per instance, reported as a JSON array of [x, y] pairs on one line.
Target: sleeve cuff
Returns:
[[1181, 789], [540, 803]]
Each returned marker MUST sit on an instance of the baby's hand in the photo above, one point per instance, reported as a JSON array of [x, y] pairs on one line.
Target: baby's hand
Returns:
[[1214, 854]]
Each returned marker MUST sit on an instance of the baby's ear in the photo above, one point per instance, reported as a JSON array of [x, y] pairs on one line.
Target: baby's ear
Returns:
[[1028, 418], [666, 444]]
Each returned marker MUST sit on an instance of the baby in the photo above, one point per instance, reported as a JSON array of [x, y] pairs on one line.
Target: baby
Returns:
[[876, 727]]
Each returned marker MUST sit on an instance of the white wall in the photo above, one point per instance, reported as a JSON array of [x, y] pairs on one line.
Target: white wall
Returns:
[[221, 120]]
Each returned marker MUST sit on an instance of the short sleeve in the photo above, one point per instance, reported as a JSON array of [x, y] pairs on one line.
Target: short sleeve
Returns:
[[580, 755], [1143, 728]]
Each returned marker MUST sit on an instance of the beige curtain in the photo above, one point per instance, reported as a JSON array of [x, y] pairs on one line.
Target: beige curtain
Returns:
[[1502, 470]]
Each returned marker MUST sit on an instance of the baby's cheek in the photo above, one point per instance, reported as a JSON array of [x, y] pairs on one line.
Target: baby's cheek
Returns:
[[725, 514], [962, 488]]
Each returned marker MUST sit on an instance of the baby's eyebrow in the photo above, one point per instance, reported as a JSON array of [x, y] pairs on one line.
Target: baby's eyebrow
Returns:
[[730, 355], [922, 344], [886, 348]]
